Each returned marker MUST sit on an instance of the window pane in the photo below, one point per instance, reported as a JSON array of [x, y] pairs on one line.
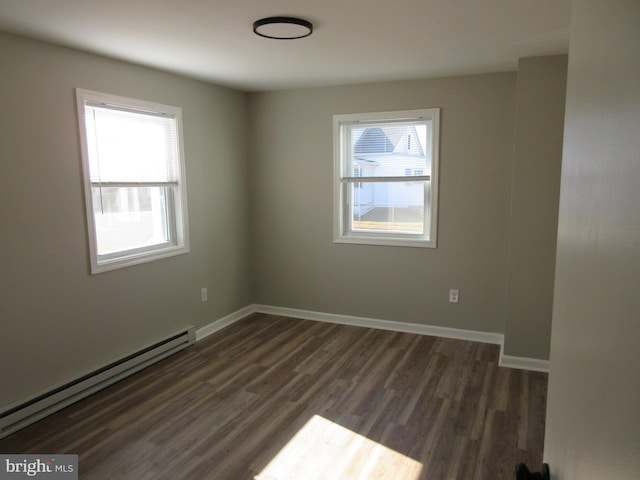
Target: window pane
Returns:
[[126, 146], [390, 150], [388, 207], [130, 217]]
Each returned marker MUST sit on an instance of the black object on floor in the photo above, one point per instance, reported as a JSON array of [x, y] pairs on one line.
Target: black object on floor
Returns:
[[523, 473]]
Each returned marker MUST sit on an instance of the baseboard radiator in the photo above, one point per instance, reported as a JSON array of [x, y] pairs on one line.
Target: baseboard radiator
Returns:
[[25, 413]]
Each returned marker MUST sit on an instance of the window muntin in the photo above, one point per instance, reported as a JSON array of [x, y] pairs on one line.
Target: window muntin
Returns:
[[134, 180], [375, 202]]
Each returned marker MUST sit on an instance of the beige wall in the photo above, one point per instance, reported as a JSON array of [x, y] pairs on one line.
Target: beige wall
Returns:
[[57, 320], [297, 264], [260, 212], [593, 416], [497, 209], [533, 223]]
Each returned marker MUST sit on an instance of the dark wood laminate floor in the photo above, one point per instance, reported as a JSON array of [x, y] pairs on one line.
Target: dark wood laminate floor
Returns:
[[278, 398]]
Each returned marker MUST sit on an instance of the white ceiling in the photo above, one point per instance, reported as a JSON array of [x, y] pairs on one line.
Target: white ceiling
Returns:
[[354, 41]]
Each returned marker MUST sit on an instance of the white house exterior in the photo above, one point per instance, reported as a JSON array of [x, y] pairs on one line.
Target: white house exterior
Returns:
[[390, 151]]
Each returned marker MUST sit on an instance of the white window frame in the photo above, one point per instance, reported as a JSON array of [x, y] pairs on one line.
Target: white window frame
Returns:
[[177, 192], [342, 180]]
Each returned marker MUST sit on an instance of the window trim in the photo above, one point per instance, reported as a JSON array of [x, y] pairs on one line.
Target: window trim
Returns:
[[340, 196], [178, 193]]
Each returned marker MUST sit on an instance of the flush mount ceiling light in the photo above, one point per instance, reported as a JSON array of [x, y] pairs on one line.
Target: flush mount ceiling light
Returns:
[[282, 28]]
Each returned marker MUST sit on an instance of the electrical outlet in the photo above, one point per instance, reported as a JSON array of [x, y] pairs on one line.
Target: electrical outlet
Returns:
[[203, 294], [454, 295]]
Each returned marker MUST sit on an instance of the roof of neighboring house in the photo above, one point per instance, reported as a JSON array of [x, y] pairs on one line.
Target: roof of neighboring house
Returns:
[[377, 140], [373, 140]]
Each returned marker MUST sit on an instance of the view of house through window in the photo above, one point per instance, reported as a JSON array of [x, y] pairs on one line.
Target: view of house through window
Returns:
[[387, 178], [384, 151], [134, 180]]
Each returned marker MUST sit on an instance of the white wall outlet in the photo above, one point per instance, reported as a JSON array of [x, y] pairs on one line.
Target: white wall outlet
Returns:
[[203, 294], [454, 295]]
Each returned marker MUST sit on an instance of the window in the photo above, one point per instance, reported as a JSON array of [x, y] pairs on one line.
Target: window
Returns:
[[134, 180], [374, 202]]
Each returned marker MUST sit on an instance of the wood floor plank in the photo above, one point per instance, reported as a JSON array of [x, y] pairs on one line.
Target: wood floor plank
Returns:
[[272, 397]]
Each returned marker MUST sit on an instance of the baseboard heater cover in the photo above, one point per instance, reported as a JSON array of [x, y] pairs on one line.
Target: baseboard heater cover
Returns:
[[19, 416]]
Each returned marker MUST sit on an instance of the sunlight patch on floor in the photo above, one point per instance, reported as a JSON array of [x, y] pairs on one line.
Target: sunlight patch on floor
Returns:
[[325, 450]]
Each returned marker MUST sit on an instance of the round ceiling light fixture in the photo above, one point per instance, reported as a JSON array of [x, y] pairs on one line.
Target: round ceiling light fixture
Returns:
[[282, 28]]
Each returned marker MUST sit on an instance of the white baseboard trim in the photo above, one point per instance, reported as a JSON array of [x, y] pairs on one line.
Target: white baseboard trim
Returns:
[[432, 330], [474, 336], [523, 363], [223, 322]]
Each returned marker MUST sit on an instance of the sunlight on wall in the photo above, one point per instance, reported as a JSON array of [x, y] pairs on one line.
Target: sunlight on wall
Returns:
[[324, 450]]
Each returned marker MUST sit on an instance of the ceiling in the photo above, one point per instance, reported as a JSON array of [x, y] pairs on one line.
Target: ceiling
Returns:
[[354, 41]]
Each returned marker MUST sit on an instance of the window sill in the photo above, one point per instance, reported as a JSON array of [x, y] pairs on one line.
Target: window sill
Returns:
[[386, 241], [136, 259]]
